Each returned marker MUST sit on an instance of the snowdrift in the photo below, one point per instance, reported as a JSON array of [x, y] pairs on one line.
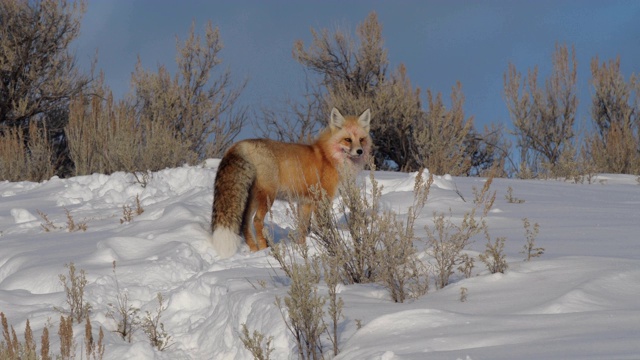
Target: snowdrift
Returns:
[[578, 301]]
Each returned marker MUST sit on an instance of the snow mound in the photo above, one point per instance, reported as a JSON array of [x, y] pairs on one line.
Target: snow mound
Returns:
[[578, 301]]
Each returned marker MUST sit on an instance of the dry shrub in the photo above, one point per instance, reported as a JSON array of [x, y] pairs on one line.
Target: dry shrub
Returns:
[[303, 307], [44, 341], [441, 137], [447, 240], [358, 242], [47, 225], [65, 333], [614, 144], [25, 153], [74, 285], [336, 304], [128, 321], [11, 348], [167, 121], [107, 136], [530, 249], [489, 152], [355, 252], [39, 76], [543, 117], [203, 110], [73, 225], [154, 328], [256, 343], [494, 256], [484, 198], [295, 122], [122, 312], [512, 199], [615, 152], [101, 134], [463, 294], [403, 274], [354, 75], [410, 137], [93, 350], [128, 212], [376, 246], [13, 157]]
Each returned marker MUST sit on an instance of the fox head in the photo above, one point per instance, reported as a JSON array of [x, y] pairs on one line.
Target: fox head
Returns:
[[350, 136]]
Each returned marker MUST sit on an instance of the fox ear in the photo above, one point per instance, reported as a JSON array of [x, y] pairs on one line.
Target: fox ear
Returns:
[[336, 120], [365, 120]]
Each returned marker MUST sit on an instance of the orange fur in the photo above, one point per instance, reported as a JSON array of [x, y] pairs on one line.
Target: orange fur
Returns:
[[253, 173]]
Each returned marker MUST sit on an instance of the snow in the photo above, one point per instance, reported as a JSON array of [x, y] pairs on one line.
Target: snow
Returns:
[[577, 301]]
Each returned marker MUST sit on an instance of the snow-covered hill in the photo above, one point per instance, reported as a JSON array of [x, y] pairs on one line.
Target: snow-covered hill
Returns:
[[578, 301]]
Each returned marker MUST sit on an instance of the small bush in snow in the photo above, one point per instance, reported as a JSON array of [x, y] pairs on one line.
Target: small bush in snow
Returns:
[[92, 349], [467, 263], [447, 241], [336, 304], [74, 286], [512, 199], [65, 332], [128, 212], [143, 178], [530, 249], [260, 348], [72, 225], [13, 349], [375, 245], [353, 243], [494, 256], [484, 198], [48, 225], [122, 312], [303, 307], [154, 328], [463, 294], [25, 153]]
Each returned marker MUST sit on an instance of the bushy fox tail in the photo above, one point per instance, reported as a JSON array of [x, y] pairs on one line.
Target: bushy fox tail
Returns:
[[233, 183]]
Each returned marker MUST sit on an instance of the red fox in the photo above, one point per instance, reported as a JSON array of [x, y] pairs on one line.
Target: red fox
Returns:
[[253, 173]]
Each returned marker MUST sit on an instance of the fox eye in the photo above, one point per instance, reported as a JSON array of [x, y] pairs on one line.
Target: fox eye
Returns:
[[347, 140], [361, 140]]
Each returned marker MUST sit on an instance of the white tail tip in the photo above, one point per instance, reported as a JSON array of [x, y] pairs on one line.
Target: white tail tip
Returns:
[[225, 242]]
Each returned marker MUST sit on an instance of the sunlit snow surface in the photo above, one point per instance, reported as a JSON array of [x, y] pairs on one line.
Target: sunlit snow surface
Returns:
[[580, 300]]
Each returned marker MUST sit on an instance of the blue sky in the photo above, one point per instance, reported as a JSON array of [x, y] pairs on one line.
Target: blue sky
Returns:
[[440, 42]]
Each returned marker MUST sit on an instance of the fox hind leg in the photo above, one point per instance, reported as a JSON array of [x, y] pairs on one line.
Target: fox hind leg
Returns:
[[262, 200], [249, 213]]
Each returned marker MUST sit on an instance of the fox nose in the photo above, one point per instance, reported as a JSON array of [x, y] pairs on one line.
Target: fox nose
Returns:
[[359, 151]]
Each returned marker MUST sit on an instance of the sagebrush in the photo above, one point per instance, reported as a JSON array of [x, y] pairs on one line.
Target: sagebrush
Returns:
[[74, 284]]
